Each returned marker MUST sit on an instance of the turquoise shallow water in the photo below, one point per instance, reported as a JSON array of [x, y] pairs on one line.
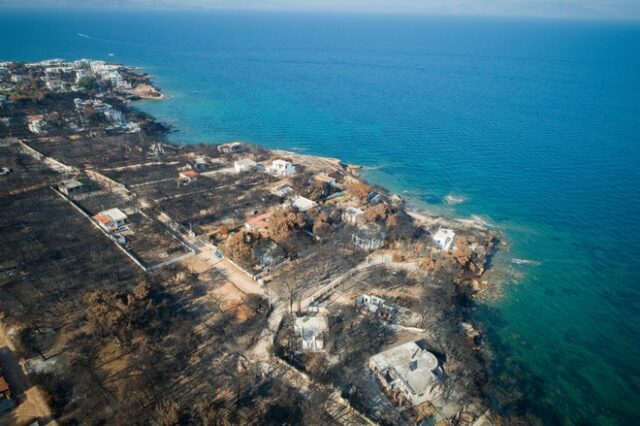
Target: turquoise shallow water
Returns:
[[535, 123]]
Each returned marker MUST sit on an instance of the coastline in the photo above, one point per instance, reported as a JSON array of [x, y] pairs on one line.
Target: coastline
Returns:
[[485, 291], [554, 173], [461, 265], [473, 294]]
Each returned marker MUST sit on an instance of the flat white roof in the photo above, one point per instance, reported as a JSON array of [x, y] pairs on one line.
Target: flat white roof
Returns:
[[71, 183], [245, 162], [414, 365], [303, 204], [311, 325], [443, 234], [115, 214]]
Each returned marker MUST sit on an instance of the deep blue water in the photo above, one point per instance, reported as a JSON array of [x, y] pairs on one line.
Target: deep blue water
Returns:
[[536, 123]]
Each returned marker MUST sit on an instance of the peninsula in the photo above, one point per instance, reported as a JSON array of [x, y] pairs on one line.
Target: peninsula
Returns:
[[148, 282]]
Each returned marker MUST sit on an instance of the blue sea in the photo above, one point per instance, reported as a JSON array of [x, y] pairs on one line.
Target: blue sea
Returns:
[[535, 123]]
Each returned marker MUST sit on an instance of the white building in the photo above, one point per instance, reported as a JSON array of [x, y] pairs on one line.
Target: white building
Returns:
[[408, 372], [71, 186], [282, 190], [112, 115], [369, 237], [281, 168], [310, 332], [56, 85], [303, 204], [82, 73], [116, 79], [444, 238], [232, 147], [112, 220], [369, 302], [37, 125], [244, 165], [352, 215], [115, 117]]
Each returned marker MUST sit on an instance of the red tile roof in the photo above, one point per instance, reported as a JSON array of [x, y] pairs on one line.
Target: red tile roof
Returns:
[[189, 173], [4, 387], [102, 219]]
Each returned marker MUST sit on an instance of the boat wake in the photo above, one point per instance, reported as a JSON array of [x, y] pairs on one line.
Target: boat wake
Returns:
[[84, 36], [525, 262]]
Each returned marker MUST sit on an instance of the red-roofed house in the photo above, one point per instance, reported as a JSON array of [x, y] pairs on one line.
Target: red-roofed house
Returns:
[[188, 176], [259, 224], [112, 220]]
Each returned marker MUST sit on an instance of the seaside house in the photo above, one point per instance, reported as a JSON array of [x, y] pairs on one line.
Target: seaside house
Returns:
[[244, 165], [71, 187], [303, 204], [310, 332], [369, 237], [116, 80], [112, 220], [281, 168], [408, 373], [282, 190], [444, 238], [230, 148]]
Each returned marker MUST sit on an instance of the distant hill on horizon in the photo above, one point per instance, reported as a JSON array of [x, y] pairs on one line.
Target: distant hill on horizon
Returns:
[[583, 9]]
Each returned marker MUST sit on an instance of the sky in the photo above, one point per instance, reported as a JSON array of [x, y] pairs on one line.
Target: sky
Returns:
[[613, 9]]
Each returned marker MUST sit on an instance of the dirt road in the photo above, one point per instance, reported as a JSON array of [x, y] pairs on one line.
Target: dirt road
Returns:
[[31, 403]]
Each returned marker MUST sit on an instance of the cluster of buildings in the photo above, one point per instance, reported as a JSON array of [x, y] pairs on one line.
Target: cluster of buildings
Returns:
[[367, 235], [105, 72], [59, 75], [112, 115], [409, 373]]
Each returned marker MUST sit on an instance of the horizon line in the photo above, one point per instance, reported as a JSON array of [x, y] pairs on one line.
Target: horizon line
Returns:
[[323, 11]]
